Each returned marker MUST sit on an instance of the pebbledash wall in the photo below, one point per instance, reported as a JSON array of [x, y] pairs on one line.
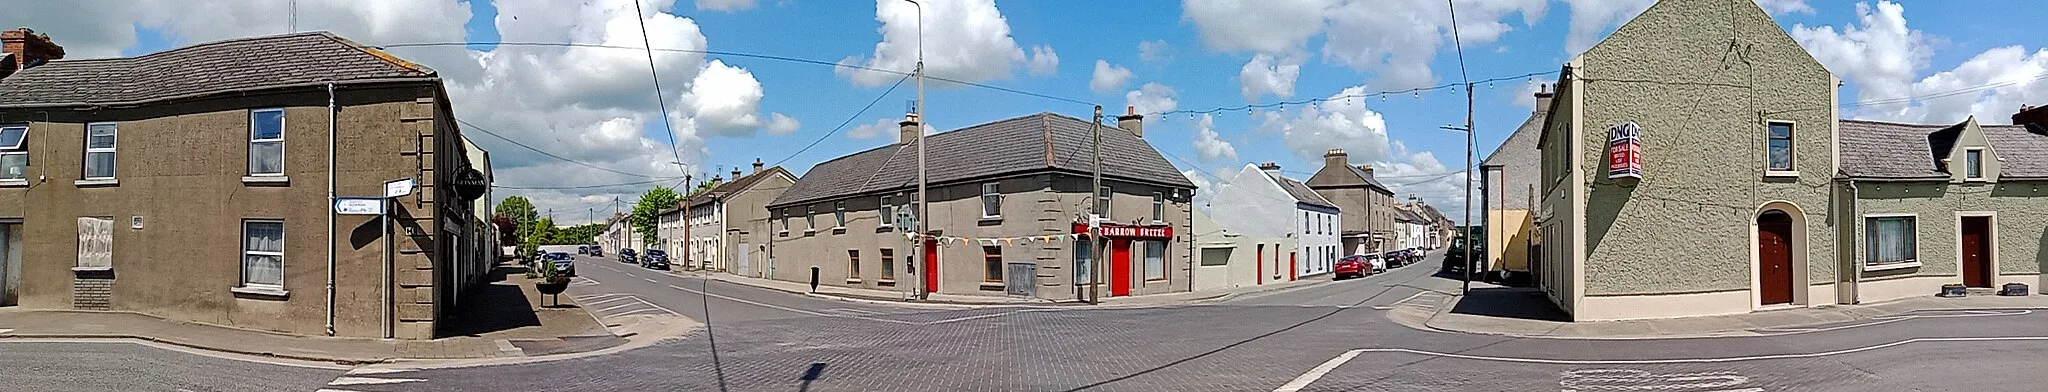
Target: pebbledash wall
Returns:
[[180, 170], [1681, 241], [2018, 223]]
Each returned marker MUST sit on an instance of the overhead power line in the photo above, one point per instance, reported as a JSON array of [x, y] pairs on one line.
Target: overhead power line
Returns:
[[657, 180], [849, 120], [1416, 90], [655, 74], [544, 152]]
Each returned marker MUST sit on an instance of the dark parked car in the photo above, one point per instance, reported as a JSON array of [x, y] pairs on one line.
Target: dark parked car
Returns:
[[596, 251], [582, 249], [1454, 258], [627, 256], [563, 262], [655, 259]]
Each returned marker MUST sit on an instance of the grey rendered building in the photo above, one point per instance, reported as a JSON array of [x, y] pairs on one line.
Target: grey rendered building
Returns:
[[999, 192], [1367, 207], [1732, 210], [728, 227], [192, 184]]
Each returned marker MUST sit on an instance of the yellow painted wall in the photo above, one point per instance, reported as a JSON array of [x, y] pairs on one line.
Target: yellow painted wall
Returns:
[[1507, 240]]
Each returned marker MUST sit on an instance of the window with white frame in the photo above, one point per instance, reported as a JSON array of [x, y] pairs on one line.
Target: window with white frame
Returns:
[[784, 219], [263, 254], [810, 218], [1780, 147], [1102, 201], [839, 214], [1158, 206], [1155, 260], [99, 150], [888, 212], [266, 142], [1890, 241], [1974, 163], [14, 152], [991, 201]]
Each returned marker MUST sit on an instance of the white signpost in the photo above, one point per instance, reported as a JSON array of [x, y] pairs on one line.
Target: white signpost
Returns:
[[399, 187], [359, 206]]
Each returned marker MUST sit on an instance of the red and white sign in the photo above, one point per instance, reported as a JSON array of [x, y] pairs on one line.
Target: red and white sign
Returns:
[[1624, 151], [1128, 231]]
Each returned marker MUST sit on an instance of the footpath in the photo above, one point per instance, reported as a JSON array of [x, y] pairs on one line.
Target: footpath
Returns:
[[1526, 313], [502, 318], [903, 297]]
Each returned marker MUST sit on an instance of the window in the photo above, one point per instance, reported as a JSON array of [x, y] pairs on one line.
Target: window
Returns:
[[1974, 158], [266, 142], [1215, 257], [1305, 222], [853, 264], [991, 201], [888, 212], [992, 264], [785, 219], [1781, 146], [1102, 201], [888, 264], [263, 254], [1889, 241], [1158, 206], [810, 219], [14, 152], [839, 214], [1155, 260], [99, 150]]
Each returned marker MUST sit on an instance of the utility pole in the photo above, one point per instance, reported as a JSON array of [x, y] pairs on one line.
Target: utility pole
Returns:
[[1094, 213], [922, 195], [1470, 135], [686, 221]]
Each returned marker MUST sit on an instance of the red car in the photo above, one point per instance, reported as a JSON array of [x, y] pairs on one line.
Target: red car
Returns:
[[1352, 266]]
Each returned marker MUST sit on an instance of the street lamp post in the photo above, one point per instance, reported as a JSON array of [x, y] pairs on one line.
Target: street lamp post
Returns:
[[685, 220]]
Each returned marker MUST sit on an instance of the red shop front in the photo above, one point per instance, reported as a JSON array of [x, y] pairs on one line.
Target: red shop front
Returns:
[[1118, 238]]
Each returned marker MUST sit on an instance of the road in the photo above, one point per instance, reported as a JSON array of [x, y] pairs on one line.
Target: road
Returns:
[[1323, 337]]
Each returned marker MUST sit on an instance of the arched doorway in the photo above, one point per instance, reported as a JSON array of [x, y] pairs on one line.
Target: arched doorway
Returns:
[[1774, 237]]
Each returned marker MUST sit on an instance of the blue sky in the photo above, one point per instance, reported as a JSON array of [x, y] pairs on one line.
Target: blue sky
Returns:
[[1204, 73]]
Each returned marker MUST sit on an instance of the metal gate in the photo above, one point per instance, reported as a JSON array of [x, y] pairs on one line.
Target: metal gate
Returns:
[[1021, 279], [745, 268]]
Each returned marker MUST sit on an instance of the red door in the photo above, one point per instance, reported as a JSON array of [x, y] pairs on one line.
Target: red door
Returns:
[[1293, 266], [931, 266], [1774, 257], [1976, 251], [1120, 268], [1259, 265]]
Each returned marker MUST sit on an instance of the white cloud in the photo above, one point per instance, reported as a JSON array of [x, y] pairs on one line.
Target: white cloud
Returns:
[[779, 124], [1153, 98], [1108, 78], [1339, 123], [1421, 175], [1784, 7], [1276, 26], [725, 5], [1156, 52], [1398, 40], [886, 126], [1881, 57], [1525, 96], [1592, 18], [968, 40], [1044, 62], [1210, 146], [1264, 75], [1205, 189], [724, 99]]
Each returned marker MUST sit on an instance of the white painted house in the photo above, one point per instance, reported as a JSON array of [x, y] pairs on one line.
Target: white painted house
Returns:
[[1260, 203]]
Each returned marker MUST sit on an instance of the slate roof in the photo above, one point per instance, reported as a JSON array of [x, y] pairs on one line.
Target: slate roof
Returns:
[[1300, 191], [1519, 161], [728, 188], [238, 64], [1344, 177], [1897, 151], [1032, 143]]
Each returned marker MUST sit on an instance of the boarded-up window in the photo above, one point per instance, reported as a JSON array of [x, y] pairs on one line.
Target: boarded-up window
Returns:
[[1215, 256], [95, 243]]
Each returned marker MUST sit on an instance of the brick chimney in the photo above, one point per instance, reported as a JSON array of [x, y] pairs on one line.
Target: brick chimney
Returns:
[[757, 165], [2031, 115], [908, 129], [1132, 121], [28, 49]]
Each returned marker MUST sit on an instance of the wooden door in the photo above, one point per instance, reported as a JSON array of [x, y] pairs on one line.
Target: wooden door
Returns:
[[931, 266], [1774, 257], [1977, 251], [1120, 268]]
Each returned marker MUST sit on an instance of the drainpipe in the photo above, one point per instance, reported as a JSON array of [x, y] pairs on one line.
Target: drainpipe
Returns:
[[332, 110], [1856, 270]]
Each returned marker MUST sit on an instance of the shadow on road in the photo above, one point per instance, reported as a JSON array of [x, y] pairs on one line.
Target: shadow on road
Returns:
[[1509, 302], [816, 371]]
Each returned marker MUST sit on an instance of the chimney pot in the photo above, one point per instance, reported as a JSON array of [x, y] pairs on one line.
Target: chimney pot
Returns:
[[757, 165], [1131, 121], [1269, 166], [735, 173]]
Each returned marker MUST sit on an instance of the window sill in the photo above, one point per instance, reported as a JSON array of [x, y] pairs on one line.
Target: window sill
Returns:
[[989, 221], [1891, 266], [97, 182], [838, 230], [260, 292], [810, 232], [267, 180], [885, 228], [1781, 174], [993, 286], [13, 183], [784, 233], [853, 281], [886, 283], [91, 269]]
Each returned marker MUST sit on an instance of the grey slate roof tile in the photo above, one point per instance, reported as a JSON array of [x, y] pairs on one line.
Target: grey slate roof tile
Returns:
[[246, 63], [1300, 191], [1519, 162], [1888, 150], [1006, 146]]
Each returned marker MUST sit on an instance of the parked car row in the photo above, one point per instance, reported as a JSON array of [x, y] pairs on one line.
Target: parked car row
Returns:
[[1358, 266], [650, 259]]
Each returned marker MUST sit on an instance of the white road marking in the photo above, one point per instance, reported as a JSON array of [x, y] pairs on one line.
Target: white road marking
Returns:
[[1398, 303], [641, 311], [372, 381], [1317, 372], [601, 301], [649, 280], [785, 308], [1881, 320], [637, 301], [1634, 379], [365, 370]]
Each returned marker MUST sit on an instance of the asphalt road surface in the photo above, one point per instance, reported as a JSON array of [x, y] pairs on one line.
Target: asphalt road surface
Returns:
[[1324, 337]]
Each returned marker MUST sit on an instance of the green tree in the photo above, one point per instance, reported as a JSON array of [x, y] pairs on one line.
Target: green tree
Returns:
[[522, 213], [647, 212]]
